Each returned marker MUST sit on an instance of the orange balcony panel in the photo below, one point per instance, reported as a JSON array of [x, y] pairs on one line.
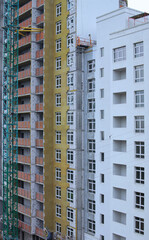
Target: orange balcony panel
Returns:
[[39, 125], [24, 210], [24, 91], [24, 107], [39, 3], [24, 176], [40, 19], [25, 8], [39, 71], [39, 160], [39, 178], [39, 142], [24, 141], [25, 226], [24, 57], [39, 107], [23, 124], [39, 89], [39, 214], [40, 232], [25, 40], [39, 36], [39, 53], [26, 23], [24, 74], [24, 193], [24, 159], [39, 197]]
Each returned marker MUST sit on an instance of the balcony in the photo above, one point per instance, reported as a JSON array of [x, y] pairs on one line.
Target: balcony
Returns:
[[24, 226], [39, 214], [24, 193], [24, 74], [24, 142], [39, 143], [24, 176], [39, 197], [26, 23], [39, 178], [24, 159], [40, 19], [40, 232], [25, 57], [39, 161], [24, 108], [39, 125], [40, 36], [39, 54], [39, 72], [24, 210], [24, 91], [39, 3], [23, 124], [39, 89], [39, 107], [27, 7], [25, 41]]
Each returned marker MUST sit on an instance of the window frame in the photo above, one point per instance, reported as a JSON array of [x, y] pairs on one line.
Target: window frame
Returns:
[[70, 176], [70, 79], [91, 85], [70, 98], [91, 206], [70, 195], [91, 186], [91, 125], [58, 228], [58, 27], [140, 175], [139, 149], [58, 137], [91, 105], [91, 145], [119, 54], [58, 9], [70, 156], [58, 192], [58, 174], [91, 166], [139, 46], [139, 73], [139, 98], [139, 225], [91, 66], [58, 45], [70, 214], [58, 100], [58, 210], [70, 40], [58, 63], [139, 200], [70, 118], [58, 81], [91, 226], [139, 124], [58, 118], [58, 155]]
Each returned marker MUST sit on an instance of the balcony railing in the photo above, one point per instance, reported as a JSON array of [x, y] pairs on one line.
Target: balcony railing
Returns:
[[40, 19], [39, 142], [23, 124], [24, 108], [24, 142], [25, 226], [39, 72], [39, 3], [39, 178], [25, 40], [39, 161], [39, 197], [39, 107], [24, 91], [24, 210], [24, 74], [39, 125], [39, 54], [25, 8], [24, 193], [40, 232], [24, 57], [24, 159], [26, 23], [24, 176], [39, 89], [39, 36], [39, 214]]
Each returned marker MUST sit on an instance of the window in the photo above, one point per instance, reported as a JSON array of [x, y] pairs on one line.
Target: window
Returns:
[[70, 4], [102, 218], [70, 214], [91, 166], [70, 195], [58, 155], [102, 178], [70, 79], [139, 200], [58, 45], [70, 23], [102, 237], [139, 149], [70, 156], [91, 226], [102, 198], [91, 125], [91, 186], [91, 66], [91, 105], [101, 93], [119, 54], [138, 49], [101, 114], [58, 210], [139, 225], [139, 124], [102, 137], [58, 174], [58, 9], [91, 85], [58, 100], [58, 192], [140, 175], [58, 27], [102, 52], [70, 116], [70, 232], [70, 59], [139, 73], [58, 228], [58, 137], [70, 41], [70, 137], [58, 81], [91, 145], [101, 72], [91, 206], [70, 176], [58, 63], [139, 98], [58, 118], [102, 157], [70, 99]]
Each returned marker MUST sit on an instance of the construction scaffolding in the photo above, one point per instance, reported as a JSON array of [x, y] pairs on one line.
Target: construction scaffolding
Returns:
[[10, 120]]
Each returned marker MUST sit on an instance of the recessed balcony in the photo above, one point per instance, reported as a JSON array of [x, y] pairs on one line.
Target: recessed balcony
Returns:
[[39, 161], [24, 74], [25, 41], [40, 232], [39, 214], [23, 125], [24, 210], [39, 197], [39, 125], [26, 23], [40, 19], [24, 193], [39, 178], [25, 57], [39, 107], [39, 54], [24, 226], [24, 108], [25, 8], [39, 89], [24, 159], [24, 142], [24, 176], [40, 36]]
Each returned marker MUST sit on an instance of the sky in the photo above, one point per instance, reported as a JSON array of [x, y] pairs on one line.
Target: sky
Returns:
[[142, 5]]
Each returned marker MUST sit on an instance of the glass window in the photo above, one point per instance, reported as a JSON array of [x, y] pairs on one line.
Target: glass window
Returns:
[[70, 79], [91, 166], [139, 124], [58, 27], [139, 175], [70, 176], [58, 192], [102, 52], [91, 145], [58, 155], [58, 100], [58, 211], [91, 186], [91, 85], [70, 99], [70, 40], [58, 137], [91, 105], [70, 117], [70, 137], [70, 214], [70, 156], [58, 228], [139, 73], [58, 9], [139, 98], [91, 206], [58, 81], [70, 23], [58, 63], [139, 200], [139, 149], [139, 225], [91, 226], [70, 195], [58, 45], [91, 66], [58, 174], [138, 49], [119, 54], [91, 125], [58, 118]]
